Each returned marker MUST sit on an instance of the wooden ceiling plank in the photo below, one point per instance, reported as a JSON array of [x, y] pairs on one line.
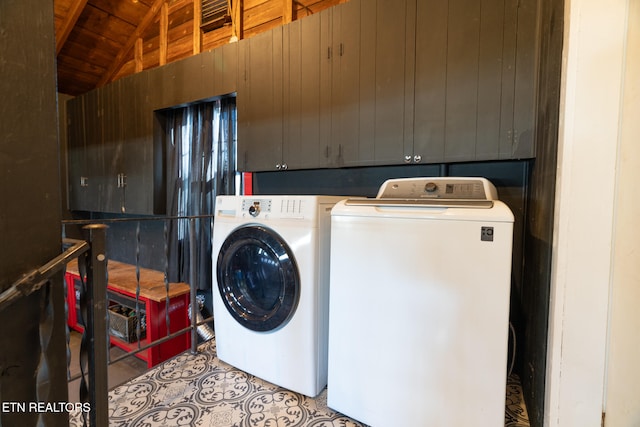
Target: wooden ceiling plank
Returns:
[[121, 57], [105, 25], [129, 11], [67, 26]]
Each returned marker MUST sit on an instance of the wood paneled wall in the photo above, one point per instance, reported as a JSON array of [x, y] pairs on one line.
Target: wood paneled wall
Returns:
[[32, 329], [533, 297]]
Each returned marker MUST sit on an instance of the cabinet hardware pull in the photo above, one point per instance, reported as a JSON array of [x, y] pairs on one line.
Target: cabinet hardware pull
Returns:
[[341, 49], [417, 158], [122, 180], [407, 159]]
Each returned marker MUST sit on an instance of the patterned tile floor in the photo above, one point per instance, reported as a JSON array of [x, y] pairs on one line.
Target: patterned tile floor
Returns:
[[200, 390]]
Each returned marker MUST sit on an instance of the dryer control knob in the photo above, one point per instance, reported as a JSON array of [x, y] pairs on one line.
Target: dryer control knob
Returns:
[[254, 210], [430, 187]]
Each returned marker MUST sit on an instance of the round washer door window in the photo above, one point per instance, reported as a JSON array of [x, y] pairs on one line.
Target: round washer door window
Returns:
[[258, 278]]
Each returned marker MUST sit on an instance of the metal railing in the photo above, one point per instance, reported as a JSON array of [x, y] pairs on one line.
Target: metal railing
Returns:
[[94, 307], [93, 249], [91, 254]]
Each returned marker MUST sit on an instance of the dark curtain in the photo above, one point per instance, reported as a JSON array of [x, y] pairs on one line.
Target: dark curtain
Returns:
[[200, 165]]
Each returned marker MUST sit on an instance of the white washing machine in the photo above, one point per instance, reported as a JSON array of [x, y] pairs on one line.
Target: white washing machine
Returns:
[[419, 319], [271, 287]]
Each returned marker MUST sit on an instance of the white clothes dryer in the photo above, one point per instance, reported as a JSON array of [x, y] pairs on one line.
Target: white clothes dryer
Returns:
[[419, 319], [271, 287]]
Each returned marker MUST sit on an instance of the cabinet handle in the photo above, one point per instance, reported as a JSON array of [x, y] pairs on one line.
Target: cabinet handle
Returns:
[[278, 167], [417, 158], [407, 159], [329, 52], [84, 181], [122, 180], [341, 49], [284, 167]]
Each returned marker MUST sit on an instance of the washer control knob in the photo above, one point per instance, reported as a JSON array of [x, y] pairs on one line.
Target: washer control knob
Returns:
[[431, 187], [254, 210]]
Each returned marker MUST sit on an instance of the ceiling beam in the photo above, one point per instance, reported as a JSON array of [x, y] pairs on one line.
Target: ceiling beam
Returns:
[[73, 14], [287, 11], [138, 52], [164, 33], [197, 32], [119, 60], [236, 20]]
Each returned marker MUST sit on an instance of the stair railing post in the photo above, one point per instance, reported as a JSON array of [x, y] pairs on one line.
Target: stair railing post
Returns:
[[96, 325], [193, 288]]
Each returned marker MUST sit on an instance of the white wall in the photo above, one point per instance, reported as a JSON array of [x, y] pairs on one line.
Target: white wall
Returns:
[[585, 215], [622, 399]]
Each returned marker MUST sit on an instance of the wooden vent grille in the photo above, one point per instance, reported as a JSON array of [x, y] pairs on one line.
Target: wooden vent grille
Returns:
[[215, 13]]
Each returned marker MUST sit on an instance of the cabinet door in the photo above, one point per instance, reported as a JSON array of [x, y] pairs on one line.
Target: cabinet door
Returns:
[[526, 60], [79, 184], [94, 158], [127, 147], [112, 149], [480, 82], [430, 82], [394, 78], [137, 166], [350, 86], [463, 46], [303, 54], [497, 46], [475, 80], [260, 107]]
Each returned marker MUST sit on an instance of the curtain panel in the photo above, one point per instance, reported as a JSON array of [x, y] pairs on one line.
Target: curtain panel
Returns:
[[201, 164]]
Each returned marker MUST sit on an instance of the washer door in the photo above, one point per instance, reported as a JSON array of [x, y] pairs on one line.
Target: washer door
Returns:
[[258, 278]]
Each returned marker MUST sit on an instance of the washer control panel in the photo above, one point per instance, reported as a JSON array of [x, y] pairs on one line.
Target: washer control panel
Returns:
[[255, 207], [438, 187]]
